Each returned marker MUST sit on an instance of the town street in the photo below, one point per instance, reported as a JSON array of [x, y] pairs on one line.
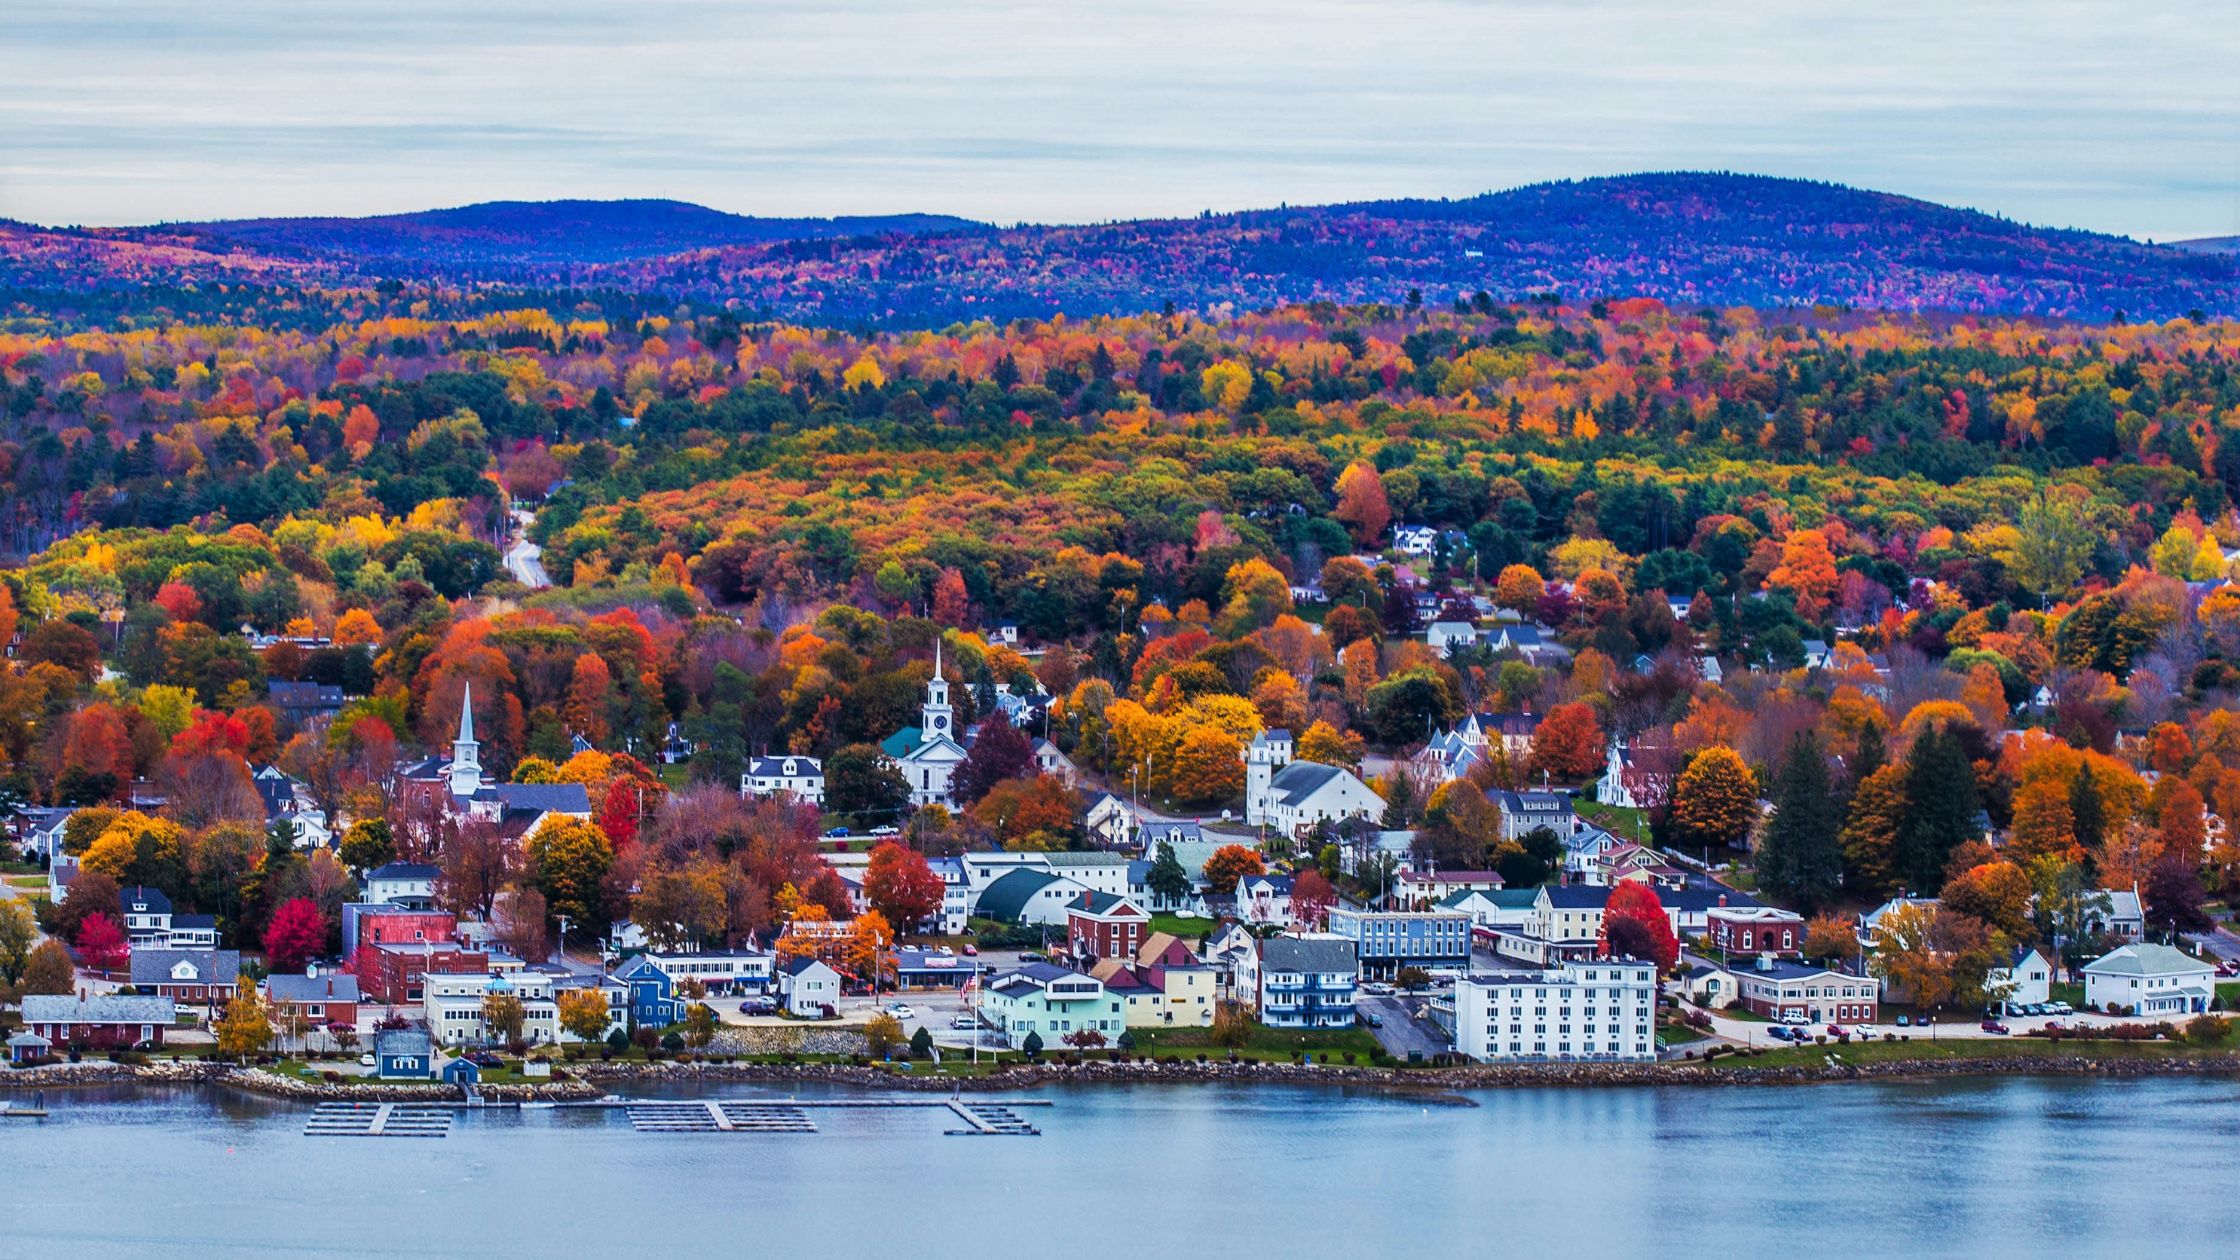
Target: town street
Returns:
[[524, 559]]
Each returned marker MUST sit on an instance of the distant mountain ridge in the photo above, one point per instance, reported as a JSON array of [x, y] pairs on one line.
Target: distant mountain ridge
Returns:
[[1688, 238], [537, 234]]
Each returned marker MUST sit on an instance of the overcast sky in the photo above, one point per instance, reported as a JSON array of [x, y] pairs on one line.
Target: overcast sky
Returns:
[[2117, 116]]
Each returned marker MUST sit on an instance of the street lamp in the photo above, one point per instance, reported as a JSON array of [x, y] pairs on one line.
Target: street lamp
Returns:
[[562, 952]]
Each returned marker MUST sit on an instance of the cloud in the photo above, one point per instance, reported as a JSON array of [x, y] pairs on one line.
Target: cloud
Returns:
[[2084, 114]]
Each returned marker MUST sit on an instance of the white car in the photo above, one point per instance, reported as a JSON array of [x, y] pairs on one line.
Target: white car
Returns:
[[1794, 1018], [900, 1011], [365, 1060]]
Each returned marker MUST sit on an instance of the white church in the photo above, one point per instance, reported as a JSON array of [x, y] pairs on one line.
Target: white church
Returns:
[[1293, 796], [929, 753]]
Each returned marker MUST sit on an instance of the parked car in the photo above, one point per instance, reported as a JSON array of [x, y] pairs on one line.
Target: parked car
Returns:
[[2062, 1008], [1995, 1028], [2053, 1026], [1372, 1019], [1903, 1022], [1032, 956], [971, 950], [366, 1060], [1839, 1032], [901, 1010], [964, 1022], [485, 1059], [1778, 1033], [1794, 1017], [1378, 988], [836, 832], [886, 831]]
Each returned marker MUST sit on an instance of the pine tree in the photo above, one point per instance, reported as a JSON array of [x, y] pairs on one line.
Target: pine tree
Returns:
[[1941, 796], [1798, 858], [2087, 814]]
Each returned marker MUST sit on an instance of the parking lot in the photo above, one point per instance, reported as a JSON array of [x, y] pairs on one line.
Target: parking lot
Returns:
[[1402, 1033]]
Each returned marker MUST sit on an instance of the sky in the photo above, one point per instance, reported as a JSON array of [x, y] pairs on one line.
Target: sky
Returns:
[[2110, 115]]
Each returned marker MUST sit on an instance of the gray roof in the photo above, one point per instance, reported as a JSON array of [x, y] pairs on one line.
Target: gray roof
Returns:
[[108, 1008], [211, 966], [402, 1041], [2147, 960], [338, 986], [1007, 897], [1312, 954], [404, 870], [137, 895], [543, 798], [1302, 779]]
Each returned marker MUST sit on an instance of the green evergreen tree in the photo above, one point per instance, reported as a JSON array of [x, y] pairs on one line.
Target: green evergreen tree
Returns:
[[2089, 814], [1941, 793], [1167, 880], [1798, 857]]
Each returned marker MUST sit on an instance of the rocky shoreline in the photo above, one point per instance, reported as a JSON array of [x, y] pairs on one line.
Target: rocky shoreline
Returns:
[[596, 1079]]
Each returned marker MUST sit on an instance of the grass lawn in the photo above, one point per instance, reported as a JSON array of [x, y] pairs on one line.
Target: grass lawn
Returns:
[[1620, 822], [29, 883], [2072, 992], [1187, 929], [1271, 1045], [2228, 995]]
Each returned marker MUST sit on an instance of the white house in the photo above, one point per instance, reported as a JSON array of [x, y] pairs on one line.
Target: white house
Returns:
[[799, 777], [1597, 1010], [1052, 1003], [1415, 540], [1109, 820], [2027, 978], [1306, 981], [2149, 980], [1445, 636], [1264, 899], [402, 884], [719, 970], [807, 986], [452, 1006], [1292, 796], [1627, 782]]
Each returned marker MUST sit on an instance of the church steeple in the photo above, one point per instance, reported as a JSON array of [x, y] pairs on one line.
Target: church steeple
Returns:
[[936, 720], [466, 753]]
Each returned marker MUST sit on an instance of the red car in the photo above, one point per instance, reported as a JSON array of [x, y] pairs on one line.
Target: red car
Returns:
[[1995, 1027], [1839, 1032]]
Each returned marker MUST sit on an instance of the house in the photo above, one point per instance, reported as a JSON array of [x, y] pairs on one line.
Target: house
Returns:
[[1535, 643], [194, 976], [1306, 981], [28, 1047], [1051, 760], [1264, 899], [1707, 983], [1109, 821], [455, 1006], [1817, 654], [956, 894], [809, 988], [1600, 1011], [1870, 923], [1755, 930], [1573, 912], [1504, 910], [1415, 540], [2138, 979], [1510, 734], [1635, 777], [1777, 989], [1387, 940], [193, 931], [1141, 1002], [411, 884], [1419, 888], [1446, 757], [315, 997], [379, 923], [105, 1022], [2123, 920], [651, 992], [2026, 978], [1526, 811], [928, 754], [301, 703], [1101, 925], [1051, 1003], [461, 1071], [147, 916], [801, 778], [1447, 636], [396, 972], [1586, 852], [404, 1053], [38, 831], [1188, 986]]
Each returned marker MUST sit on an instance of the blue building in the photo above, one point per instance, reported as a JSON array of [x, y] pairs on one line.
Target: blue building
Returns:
[[405, 1053], [1388, 940]]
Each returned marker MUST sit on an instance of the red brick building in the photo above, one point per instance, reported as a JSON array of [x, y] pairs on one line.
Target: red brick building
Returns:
[[390, 974], [1101, 925], [328, 998], [1755, 930]]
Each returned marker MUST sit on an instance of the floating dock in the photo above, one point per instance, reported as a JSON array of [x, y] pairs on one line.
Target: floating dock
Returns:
[[355, 1119]]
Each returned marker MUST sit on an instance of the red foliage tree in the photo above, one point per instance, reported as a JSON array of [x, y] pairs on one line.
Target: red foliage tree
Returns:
[[1230, 863], [1634, 925], [900, 885], [297, 934], [1568, 744], [1311, 898], [101, 942]]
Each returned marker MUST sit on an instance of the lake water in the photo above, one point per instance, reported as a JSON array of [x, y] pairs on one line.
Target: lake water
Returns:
[[1985, 1168]]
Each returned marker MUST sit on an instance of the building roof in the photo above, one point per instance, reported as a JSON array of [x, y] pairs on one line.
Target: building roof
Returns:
[[1307, 953], [107, 1008], [1007, 897], [543, 798], [211, 966], [1766, 966], [1595, 896], [136, 896], [1300, 780], [1104, 904], [1062, 860], [401, 1041], [786, 767], [797, 966], [335, 986], [403, 871], [2147, 960], [193, 922]]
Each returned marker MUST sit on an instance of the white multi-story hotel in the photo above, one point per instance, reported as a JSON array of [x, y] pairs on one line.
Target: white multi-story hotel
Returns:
[[1598, 1010]]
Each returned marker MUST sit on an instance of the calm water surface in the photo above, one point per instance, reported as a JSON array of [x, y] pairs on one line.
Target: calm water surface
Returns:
[[1989, 1168]]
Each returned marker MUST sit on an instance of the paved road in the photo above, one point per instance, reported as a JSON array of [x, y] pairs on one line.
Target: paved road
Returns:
[[2220, 944], [1955, 1026], [524, 559], [1403, 1033]]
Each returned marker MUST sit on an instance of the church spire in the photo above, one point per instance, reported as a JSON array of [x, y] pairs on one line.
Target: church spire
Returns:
[[935, 720], [466, 753]]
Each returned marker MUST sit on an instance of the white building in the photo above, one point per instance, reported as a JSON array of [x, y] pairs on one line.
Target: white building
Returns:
[[1599, 1010], [403, 884], [453, 1005], [1110, 821], [2149, 980], [1292, 796], [1415, 540], [1053, 1003], [808, 986], [719, 970], [928, 754], [799, 777], [2027, 978]]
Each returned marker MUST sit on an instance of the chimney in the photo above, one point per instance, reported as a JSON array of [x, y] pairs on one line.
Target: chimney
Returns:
[[1722, 899], [330, 986]]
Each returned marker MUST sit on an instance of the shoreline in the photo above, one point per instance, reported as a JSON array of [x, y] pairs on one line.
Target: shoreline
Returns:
[[595, 1080]]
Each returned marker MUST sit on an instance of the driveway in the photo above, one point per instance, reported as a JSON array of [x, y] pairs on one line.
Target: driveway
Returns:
[[1403, 1034], [2220, 944]]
